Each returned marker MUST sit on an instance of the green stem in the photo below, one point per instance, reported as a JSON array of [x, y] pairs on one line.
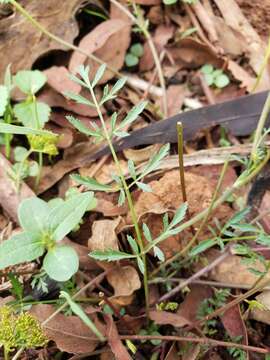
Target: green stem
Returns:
[[18, 175], [263, 66], [6, 353], [40, 164], [142, 26], [7, 120], [129, 198], [260, 127]]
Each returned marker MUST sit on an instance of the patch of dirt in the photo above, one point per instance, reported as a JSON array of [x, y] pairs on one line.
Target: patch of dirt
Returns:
[[258, 14]]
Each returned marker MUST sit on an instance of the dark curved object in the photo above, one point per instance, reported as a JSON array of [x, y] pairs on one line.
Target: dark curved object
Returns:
[[239, 116]]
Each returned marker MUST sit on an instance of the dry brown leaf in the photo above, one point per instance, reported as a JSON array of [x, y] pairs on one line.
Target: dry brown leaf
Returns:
[[140, 155], [232, 270], [54, 99], [119, 350], [109, 42], [234, 324], [246, 80], [104, 235], [65, 139], [262, 315], [168, 318], [68, 332], [58, 79], [255, 48], [23, 42], [190, 53], [125, 281], [189, 307], [161, 37], [176, 95], [229, 39], [166, 196]]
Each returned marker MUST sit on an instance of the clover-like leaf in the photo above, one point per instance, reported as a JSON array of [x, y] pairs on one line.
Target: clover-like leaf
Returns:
[[32, 114], [30, 81], [61, 263]]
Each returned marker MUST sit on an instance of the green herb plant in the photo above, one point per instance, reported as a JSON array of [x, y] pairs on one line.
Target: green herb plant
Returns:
[[32, 114], [19, 331], [133, 55], [215, 77], [44, 226], [117, 130]]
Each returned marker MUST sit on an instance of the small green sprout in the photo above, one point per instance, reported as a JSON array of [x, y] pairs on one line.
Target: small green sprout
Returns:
[[215, 77], [21, 330], [133, 55], [172, 2]]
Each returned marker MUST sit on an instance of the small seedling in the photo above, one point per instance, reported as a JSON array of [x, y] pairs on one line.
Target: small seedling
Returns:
[[134, 54], [215, 77], [44, 226]]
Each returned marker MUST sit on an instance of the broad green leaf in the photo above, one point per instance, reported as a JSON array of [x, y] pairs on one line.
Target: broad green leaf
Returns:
[[32, 114], [20, 248], [147, 233], [144, 187], [131, 60], [179, 215], [65, 217], [77, 310], [209, 78], [136, 49], [3, 99], [133, 114], [109, 255], [22, 130], [133, 244], [33, 168], [91, 183], [140, 265], [159, 253], [221, 81], [30, 81], [79, 98], [207, 69], [61, 263], [20, 153], [82, 128], [99, 74], [203, 245], [33, 213]]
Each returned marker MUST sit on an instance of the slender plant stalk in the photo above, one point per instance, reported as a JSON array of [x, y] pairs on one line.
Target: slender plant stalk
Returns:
[[202, 340], [7, 120], [260, 127], [129, 198], [263, 66], [18, 175], [153, 49], [6, 354], [179, 128]]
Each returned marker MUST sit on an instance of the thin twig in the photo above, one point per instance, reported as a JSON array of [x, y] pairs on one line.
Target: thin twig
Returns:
[[203, 340], [195, 276]]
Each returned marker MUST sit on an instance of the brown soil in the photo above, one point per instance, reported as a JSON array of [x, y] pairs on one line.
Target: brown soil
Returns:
[[258, 13]]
